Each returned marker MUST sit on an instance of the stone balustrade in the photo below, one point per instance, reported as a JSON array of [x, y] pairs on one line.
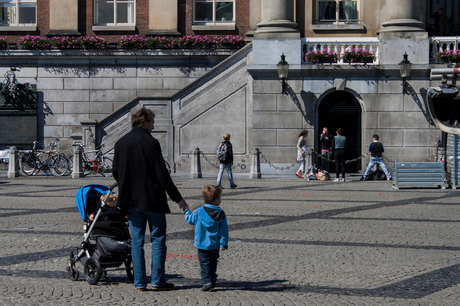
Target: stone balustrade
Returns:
[[339, 45]]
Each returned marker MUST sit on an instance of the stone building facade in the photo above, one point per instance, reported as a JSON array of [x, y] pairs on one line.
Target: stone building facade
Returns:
[[200, 94]]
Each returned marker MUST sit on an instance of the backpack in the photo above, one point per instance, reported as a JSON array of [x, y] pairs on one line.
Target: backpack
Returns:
[[222, 152]]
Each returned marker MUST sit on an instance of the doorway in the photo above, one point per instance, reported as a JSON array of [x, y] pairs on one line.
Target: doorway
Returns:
[[342, 109]]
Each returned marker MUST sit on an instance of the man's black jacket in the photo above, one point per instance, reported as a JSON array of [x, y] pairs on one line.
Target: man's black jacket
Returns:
[[141, 173]]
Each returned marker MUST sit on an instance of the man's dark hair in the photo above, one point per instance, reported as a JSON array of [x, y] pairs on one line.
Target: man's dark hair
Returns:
[[441, 9], [376, 137], [141, 117]]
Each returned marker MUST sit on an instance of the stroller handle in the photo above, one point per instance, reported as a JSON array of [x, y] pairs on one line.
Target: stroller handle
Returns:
[[113, 186]]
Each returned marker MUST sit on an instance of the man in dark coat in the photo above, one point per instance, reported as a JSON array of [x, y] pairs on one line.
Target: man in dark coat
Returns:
[[143, 181], [442, 23]]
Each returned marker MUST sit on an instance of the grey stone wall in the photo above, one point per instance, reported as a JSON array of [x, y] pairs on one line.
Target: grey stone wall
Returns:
[[79, 86], [197, 97], [402, 121]]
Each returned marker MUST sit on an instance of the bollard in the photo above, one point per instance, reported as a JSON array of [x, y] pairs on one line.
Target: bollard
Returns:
[[12, 164], [195, 171], [308, 158], [255, 165], [77, 163]]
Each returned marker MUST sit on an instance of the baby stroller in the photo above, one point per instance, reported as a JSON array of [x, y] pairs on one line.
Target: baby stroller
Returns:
[[109, 230]]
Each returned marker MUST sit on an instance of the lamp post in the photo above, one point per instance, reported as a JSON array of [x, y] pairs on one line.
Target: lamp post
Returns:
[[283, 70], [404, 68]]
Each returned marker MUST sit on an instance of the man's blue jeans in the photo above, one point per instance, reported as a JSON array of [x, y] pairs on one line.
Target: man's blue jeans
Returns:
[[208, 263], [138, 219], [377, 160], [229, 171]]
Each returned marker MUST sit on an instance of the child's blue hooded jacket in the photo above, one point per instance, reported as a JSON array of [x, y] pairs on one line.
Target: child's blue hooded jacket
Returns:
[[211, 230]]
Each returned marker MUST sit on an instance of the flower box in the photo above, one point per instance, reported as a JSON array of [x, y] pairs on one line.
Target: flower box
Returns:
[[449, 56], [34, 42], [94, 43], [131, 42], [322, 56], [357, 56], [231, 42]]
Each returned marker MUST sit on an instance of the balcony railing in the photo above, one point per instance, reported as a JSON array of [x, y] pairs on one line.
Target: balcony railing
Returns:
[[340, 45]]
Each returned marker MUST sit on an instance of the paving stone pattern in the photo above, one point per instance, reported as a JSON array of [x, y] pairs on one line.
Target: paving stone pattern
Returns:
[[292, 242]]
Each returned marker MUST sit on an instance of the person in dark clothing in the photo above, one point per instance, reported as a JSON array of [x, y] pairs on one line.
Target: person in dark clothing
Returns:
[[376, 150], [211, 234], [338, 145], [143, 181], [227, 163], [326, 145], [442, 23]]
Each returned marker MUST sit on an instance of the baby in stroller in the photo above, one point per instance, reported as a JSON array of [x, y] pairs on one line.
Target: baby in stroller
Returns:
[[107, 226], [110, 204]]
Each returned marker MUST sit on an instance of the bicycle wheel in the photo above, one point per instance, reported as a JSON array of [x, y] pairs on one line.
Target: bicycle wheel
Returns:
[[58, 164], [29, 165], [70, 162], [106, 166]]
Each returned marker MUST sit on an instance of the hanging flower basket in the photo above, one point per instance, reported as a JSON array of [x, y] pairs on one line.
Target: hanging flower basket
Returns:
[[322, 56], [358, 55], [449, 56]]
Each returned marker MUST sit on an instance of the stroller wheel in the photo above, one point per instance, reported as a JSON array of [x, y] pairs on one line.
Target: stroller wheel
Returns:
[[129, 269], [73, 273], [93, 271]]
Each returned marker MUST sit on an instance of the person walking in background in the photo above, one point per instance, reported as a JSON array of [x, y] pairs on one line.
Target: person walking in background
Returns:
[[211, 234], [338, 146], [226, 161], [326, 145], [143, 181], [301, 155], [376, 149]]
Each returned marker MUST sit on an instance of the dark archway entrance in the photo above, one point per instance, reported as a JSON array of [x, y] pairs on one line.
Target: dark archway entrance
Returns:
[[341, 109]]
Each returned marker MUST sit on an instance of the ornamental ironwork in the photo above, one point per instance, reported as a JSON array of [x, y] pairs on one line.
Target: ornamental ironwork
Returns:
[[17, 97]]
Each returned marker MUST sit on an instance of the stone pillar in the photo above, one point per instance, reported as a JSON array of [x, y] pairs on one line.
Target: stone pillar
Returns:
[[254, 16], [163, 18], [401, 32], [88, 127], [277, 33], [195, 171], [277, 20], [63, 17], [77, 163], [255, 164], [12, 163]]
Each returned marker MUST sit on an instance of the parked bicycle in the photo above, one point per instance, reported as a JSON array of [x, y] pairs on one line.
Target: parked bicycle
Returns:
[[94, 161], [56, 163]]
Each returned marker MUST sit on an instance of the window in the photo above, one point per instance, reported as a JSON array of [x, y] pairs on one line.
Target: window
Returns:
[[18, 12], [337, 11], [214, 11], [114, 12]]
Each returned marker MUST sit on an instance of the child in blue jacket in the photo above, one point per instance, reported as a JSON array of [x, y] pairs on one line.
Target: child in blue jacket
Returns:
[[211, 234]]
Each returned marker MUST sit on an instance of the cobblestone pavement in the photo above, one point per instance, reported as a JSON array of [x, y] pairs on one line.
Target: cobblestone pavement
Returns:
[[292, 242]]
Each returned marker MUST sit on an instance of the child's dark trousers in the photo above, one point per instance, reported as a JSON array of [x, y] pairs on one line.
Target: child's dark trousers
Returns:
[[208, 262]]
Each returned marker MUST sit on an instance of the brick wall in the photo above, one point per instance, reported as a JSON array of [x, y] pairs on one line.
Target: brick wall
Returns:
[[85, 20]]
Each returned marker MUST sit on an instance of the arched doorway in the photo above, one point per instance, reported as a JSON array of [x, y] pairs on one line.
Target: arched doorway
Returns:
[[342, 109]]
